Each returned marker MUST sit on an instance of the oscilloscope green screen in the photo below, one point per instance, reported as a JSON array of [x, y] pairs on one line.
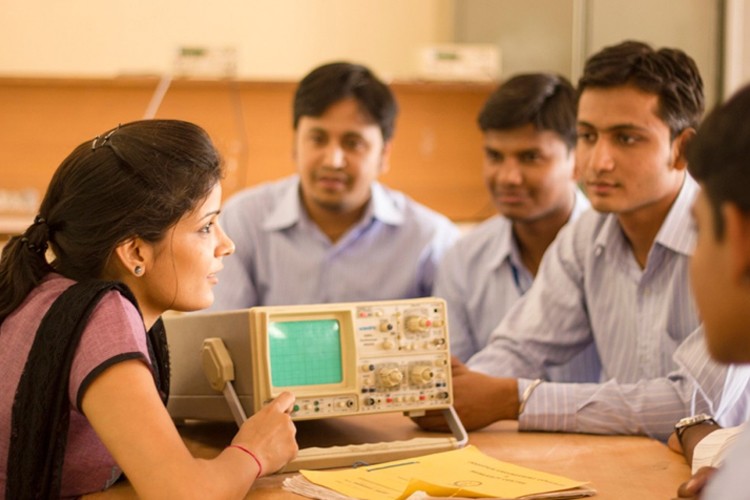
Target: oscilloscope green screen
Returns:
[[305, 352]]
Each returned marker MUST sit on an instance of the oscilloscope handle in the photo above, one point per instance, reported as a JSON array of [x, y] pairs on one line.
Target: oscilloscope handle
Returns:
[[219, 370], [234, 404], [456, 427]]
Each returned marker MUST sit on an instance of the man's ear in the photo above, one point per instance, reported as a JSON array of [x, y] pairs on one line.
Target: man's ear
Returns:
[[679, 144], [133, 255], [385, 157], [737, 234]]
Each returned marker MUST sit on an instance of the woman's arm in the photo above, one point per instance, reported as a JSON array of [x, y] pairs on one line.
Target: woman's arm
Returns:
[[124, 408]]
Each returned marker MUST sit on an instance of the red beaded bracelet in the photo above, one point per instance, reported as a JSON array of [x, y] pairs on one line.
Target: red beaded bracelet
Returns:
[[240, 447]]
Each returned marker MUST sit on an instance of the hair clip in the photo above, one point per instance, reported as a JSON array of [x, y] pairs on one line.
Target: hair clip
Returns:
[[104, 139], [39, 249]]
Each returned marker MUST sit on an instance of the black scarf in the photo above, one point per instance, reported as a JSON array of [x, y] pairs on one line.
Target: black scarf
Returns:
[[41, 409]]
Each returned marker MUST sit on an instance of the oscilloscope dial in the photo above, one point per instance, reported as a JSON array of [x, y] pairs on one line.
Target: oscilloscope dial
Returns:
[[417, 324], [422, 374], [390, 377]]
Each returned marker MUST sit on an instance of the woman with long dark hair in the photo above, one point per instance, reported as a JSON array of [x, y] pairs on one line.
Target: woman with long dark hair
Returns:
[[127, 230]]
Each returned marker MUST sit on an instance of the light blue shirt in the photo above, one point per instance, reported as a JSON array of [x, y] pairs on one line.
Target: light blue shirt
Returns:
[[590, 289], [282, 256], [481, 277]]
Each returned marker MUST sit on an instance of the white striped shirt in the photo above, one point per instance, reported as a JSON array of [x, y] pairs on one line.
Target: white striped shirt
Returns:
[[730, 482], [643, 322], [481, 277], [282, 257]]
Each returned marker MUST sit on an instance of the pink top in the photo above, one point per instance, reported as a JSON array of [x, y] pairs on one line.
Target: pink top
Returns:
[[115, 333]]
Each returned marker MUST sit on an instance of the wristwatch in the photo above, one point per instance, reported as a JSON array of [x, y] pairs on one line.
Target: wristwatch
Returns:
[[687, 422]]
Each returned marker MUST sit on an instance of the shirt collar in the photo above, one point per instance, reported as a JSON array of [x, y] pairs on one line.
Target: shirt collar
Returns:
[[506, 245], [384, 207], [288, 211], [676, 233]]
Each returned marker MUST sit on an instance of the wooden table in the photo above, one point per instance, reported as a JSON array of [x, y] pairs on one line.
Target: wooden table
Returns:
[[618, 467]]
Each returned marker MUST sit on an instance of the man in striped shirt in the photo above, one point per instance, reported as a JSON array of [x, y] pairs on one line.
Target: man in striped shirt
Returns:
[[617, 277]]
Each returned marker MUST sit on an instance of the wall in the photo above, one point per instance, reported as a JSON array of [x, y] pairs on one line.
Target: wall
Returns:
[[737, 45], [557, 35], [533, 35], [437, 148], [692, 25], [275, 39]]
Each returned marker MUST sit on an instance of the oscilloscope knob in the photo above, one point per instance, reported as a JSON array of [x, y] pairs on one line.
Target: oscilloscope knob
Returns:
[[422, 374], [417, 323], [390, 377]]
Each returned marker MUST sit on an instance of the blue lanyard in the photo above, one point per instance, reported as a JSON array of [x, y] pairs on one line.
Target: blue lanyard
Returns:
[[517, 279]]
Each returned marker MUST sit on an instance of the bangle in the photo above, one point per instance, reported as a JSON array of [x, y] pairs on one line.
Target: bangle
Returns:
[[239, 447], [527, 394]]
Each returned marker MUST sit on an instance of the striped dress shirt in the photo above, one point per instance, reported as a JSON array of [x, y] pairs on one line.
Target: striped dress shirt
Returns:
[[481, 277], [282, 257], [730, 482], [590, 289]]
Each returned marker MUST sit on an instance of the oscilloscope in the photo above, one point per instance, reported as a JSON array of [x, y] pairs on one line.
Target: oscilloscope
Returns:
[[337, 359]]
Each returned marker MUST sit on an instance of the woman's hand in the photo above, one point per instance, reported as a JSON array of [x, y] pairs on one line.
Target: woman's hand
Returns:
[[269, 434]]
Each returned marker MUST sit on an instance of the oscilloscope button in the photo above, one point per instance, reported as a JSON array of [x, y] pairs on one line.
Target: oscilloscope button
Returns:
[[369, 401]]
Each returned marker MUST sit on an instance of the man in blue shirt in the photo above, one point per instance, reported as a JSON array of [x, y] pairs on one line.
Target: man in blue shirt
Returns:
[[332, 233], [617, 277], [529, 130]]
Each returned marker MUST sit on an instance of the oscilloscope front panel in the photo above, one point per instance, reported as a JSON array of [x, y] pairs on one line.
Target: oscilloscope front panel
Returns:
[[397, 360]]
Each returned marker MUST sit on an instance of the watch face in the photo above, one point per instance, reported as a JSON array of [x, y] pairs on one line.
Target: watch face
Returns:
[[695, 419]]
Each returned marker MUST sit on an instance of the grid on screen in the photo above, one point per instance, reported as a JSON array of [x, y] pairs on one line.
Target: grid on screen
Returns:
[[305, 352]]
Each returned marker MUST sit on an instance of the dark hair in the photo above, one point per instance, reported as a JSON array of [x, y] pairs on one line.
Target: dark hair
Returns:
[[719, 156], [136, 180], [544, 100], [330, 83], [669, 73]]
